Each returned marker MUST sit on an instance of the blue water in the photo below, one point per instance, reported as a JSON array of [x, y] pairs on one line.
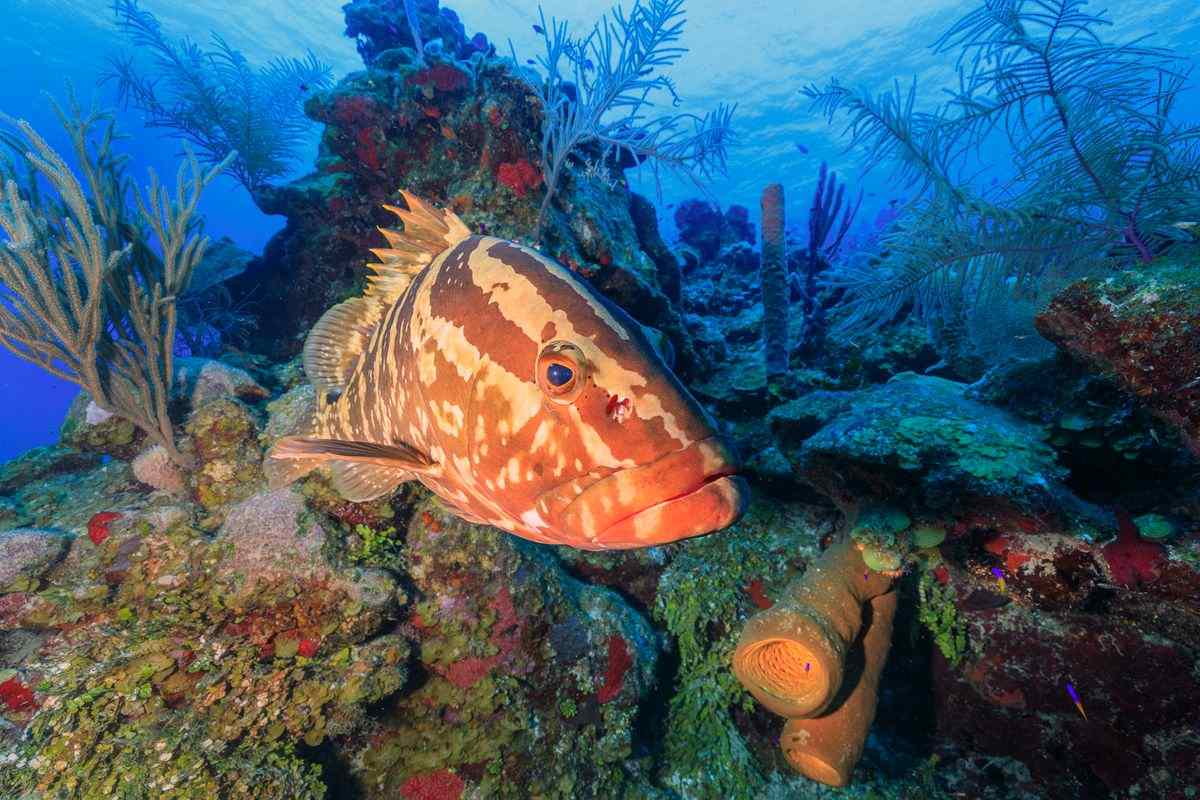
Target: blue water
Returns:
[[758, 53]]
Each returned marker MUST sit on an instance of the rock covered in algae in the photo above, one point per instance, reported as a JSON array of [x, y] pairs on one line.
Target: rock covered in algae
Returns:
[[1138, 327], [27, 554], [158, 676], [224, 436], [531, 679], [202, 380], [93, 430], [922, 432]]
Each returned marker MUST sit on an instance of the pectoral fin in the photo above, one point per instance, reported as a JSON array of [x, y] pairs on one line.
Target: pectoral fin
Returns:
[[399, 456]]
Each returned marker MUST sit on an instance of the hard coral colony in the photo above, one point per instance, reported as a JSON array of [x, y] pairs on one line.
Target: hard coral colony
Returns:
[[471, 522]]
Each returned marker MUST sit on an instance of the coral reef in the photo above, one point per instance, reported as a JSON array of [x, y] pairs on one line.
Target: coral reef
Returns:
[[1003, 574]]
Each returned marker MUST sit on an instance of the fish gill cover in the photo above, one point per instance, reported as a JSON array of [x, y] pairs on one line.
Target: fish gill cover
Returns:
[[968, 415]]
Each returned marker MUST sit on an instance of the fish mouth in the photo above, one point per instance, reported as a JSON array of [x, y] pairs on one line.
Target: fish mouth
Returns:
[[688, 492]]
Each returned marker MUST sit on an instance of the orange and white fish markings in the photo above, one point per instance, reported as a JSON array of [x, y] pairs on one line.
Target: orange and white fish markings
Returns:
[[449, 417], [438, 373]]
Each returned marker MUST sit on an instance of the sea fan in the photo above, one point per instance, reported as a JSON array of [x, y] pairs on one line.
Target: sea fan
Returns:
[[1102, 170], [215, 100]]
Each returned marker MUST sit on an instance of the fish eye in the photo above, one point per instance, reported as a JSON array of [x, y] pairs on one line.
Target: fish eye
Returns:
[[559, 374], [560, 371]]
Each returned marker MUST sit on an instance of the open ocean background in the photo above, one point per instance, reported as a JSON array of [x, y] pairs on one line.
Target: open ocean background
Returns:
[[757, 53]]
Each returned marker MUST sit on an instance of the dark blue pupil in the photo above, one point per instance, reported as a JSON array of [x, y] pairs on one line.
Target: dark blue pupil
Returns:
[[558, 375]]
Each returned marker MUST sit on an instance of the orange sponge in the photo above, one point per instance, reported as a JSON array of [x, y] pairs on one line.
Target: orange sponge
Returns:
[[826, 748], [793, 658]]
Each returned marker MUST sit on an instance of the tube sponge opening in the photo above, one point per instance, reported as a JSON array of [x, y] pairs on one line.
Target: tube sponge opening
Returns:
[[804, 659]]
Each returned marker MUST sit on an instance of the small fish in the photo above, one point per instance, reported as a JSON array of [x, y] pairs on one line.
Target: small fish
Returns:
[[530, 61], [514, 391], [304, 87], [539, 29], [803, 149], [807, 666], [999, 573], [1075, 699]]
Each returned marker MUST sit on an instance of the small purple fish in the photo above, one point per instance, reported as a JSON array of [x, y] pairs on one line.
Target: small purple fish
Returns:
[[802, 148], [1075, 699], [538, 29], [807, 666], [999, 573]]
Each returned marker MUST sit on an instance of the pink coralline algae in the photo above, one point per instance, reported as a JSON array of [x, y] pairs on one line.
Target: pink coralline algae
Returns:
[[440, 784], [97, 527], [1131, 560], [520, 176], [619, 662]]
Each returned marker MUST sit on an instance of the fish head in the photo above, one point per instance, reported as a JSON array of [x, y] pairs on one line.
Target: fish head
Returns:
[[599, 446]]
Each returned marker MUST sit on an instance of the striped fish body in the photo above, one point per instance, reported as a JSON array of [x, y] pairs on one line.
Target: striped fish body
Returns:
[[515, 392]]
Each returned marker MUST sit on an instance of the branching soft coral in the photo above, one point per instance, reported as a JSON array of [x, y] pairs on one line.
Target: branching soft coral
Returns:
[[598, 90], [215, 100], [87, 292]]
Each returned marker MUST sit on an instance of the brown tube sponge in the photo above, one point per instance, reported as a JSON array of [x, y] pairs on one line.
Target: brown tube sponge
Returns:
[[791, 657], [774, 280], [826, 748]]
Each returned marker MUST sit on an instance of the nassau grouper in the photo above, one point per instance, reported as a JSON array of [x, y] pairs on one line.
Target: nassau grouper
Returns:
[[514, 391]]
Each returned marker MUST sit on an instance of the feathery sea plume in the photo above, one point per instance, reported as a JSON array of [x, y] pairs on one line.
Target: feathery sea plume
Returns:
[[215, 100], [1103, 169], [600, 90]]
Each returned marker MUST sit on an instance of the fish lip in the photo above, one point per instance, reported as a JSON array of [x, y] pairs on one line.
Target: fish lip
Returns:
[[735, 488], [665, 481]]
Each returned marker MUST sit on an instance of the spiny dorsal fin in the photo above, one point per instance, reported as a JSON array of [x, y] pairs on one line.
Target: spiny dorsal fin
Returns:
[[427, 232], [339, 338]]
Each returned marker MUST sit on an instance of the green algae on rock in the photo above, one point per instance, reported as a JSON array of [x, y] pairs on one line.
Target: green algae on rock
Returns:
[[924, 432], [182, 687]]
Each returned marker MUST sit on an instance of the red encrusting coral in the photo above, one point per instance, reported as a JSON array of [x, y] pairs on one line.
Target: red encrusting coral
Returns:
[[520, 176], [506, 634], [16, 696], [1131, 560], [367, 151], [441, 784], [757, 595], [619, 662], [354, 110], [97, 527], [1003, 546], [442, 77], [308, 648]]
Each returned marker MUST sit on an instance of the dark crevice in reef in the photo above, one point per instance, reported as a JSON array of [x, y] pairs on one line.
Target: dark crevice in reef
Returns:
[[649, 731]]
